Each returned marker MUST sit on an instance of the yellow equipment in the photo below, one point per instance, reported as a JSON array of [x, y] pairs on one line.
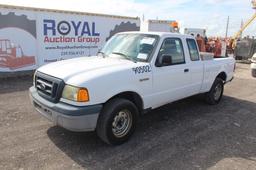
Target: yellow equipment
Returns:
[[238, 34]]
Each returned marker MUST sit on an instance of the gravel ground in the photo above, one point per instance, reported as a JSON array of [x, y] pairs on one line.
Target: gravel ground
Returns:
[[188, 134]]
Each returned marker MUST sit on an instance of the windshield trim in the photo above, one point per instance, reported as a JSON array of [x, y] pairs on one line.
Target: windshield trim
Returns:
[[125, 56]]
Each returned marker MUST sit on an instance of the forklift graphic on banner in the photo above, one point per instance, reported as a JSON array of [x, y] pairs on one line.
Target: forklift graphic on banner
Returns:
[[17, 41], [12, 56]]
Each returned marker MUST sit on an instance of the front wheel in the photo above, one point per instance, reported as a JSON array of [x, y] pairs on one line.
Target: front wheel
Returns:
[[215, 94], [253, 72], [117, 121]]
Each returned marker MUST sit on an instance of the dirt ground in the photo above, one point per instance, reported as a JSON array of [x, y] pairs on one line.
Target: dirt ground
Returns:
[[188, 134]]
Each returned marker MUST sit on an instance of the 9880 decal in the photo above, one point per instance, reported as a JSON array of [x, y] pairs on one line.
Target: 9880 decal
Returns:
[[142, 69]]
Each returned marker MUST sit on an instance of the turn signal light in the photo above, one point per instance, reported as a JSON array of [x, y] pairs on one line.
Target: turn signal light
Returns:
[[83, 95]]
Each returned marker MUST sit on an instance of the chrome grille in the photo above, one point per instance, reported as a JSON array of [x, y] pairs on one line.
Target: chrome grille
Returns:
[[44, 86], [48, 87]]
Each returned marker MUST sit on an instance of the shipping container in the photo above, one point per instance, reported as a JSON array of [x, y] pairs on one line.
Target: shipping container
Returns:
[[195, 31], [31, 37]]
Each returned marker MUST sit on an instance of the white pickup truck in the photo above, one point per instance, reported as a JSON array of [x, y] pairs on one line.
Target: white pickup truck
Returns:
[[132, 74]]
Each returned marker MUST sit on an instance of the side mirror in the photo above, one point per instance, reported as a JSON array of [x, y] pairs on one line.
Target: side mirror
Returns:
[[99, 50], [164, 60]]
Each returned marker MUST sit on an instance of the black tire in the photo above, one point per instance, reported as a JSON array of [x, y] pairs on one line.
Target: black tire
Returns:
[[210, 97], [253, 72], [108, 117]]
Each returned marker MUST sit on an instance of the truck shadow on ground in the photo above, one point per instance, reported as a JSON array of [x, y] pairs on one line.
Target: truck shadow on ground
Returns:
[[184, 135]]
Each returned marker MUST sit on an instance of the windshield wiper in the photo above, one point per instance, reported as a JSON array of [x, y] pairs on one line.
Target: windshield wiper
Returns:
[[125, 56]]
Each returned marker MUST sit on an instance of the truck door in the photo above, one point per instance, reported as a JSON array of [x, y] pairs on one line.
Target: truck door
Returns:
[[171, 82], [196, 67]]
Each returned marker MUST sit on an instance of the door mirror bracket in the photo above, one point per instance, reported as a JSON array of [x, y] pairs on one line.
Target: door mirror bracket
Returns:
[[164, 60]]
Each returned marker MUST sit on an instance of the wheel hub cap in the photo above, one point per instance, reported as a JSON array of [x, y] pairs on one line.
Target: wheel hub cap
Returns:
[[217, 92], [122, 123]]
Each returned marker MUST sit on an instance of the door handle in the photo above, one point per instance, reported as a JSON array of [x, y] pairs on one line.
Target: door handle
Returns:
[[186, 70]]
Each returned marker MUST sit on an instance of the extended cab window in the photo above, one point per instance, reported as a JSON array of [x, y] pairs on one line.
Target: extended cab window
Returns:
[[193, 51], [173, 48]]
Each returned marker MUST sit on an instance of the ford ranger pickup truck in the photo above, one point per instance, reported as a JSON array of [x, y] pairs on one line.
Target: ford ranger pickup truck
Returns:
[[133, 73]]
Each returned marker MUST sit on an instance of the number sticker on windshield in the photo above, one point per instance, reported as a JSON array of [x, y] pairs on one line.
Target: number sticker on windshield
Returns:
[[147, 40], [142, 69], [142, 56]]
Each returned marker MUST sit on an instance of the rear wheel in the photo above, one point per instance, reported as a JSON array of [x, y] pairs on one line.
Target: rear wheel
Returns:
[[215, 94], [117, 121]]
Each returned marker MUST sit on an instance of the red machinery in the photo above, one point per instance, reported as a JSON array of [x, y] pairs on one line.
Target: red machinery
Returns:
[[13, 57], [214, 45]]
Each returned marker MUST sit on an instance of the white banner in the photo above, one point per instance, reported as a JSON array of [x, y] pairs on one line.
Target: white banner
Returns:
[[30, 38]]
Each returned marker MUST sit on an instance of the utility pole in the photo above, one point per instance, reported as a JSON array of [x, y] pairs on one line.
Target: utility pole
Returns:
[[227, 28], [242, 25]]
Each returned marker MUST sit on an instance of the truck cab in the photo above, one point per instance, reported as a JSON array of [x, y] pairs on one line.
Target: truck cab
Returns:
[[133, 73]]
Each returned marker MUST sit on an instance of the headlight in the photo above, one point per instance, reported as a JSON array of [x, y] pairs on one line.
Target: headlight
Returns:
[[75, 94], [254, 58]]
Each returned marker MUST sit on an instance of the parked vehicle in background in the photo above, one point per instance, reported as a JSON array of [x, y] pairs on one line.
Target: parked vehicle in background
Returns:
[[253, 65], [159, 25], [133, 73]]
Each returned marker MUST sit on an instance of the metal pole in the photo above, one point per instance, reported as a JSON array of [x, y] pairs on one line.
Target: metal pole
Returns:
[[227, 28], [242, 25]]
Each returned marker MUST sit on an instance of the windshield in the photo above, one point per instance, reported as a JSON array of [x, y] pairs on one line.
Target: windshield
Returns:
[[135, 47]]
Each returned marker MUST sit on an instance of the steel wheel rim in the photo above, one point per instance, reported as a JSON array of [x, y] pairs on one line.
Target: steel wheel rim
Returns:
[[217, 92], [122, 123]]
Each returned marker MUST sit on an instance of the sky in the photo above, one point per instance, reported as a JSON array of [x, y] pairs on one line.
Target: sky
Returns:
[[208, 14]]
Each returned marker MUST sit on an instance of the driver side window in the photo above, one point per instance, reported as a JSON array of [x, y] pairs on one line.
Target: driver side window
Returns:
[[172, 47]]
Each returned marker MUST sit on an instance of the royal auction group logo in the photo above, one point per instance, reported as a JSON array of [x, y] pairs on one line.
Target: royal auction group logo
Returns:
[[70, 31]]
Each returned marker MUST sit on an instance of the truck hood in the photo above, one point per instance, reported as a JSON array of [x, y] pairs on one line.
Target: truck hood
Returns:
[[92, 66]]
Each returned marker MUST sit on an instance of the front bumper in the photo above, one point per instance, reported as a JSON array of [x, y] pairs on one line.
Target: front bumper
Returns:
[[74, 118], [253, 65]]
